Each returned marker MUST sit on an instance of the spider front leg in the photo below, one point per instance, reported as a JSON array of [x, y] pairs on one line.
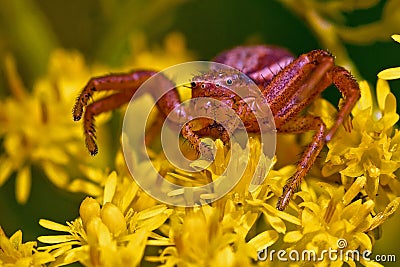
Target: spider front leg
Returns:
[[103, 105], [189, 132], [301, 125], [125, 85], [112, 82]]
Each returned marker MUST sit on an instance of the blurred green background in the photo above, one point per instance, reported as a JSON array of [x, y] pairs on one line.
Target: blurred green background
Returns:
[[102, 30]]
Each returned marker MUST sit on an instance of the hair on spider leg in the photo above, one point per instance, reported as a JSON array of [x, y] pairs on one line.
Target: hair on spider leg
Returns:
[[184, 142], [270, 70], [280, 67], [77, 110], [90, 97], [330, 53]]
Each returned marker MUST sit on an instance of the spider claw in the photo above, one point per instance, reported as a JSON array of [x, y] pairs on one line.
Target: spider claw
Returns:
[[94, 152], [91, 144], [77, 118], [77, 111]]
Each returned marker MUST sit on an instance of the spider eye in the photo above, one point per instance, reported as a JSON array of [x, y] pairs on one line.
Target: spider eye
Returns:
[[229, 81], [203, 86], [193, 84]]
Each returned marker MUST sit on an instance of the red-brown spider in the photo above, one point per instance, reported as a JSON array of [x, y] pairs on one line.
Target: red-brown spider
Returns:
[[288, 84]]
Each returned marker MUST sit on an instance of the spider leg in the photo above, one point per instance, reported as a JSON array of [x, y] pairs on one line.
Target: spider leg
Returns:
[[349, 88], [103, 105], [112, 82], [189, 133], [294, 88], [215, 130], [301, 125], [125, 86], [298, 84]]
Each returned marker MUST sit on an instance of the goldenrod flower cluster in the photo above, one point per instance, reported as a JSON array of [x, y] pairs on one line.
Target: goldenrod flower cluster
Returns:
[[350, 193]]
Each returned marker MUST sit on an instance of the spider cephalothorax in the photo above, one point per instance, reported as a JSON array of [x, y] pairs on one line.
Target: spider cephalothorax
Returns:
[[287, 84]]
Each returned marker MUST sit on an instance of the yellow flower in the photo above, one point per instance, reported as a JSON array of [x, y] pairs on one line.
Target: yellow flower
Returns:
[[201, 238], [220, 233], [227, 163], [36, 127], [333, 218], [371, 148], [109, 232], [15, 253], [173, 51]]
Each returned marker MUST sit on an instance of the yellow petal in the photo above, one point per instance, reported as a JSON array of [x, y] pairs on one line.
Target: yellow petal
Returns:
[[390, 74], [276, 223], [13, 144], [42, 258], [264, 240], [81, 186], [154, 222], [283, 215], [109, 188], [53, 225], [23, 185], [104, 236], [292, 237], [60, 248], [5, 169], [390, 104], [396, 37], [130, 193], [372, 184], [151, 212], [364, 240], [354, 189], [55, 173], [54, 239], [55, 154], [325, 110], [365, 100], [16, 239], [138, 243], [93, 174], [382, 90]]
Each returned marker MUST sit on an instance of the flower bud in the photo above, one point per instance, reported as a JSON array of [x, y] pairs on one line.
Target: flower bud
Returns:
[[112, 216], [88, 210]]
